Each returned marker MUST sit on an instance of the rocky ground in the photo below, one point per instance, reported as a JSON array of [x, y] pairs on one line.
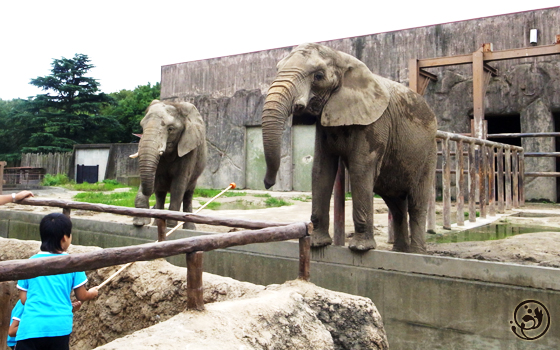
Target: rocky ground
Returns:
[[144, 308], [539, 248]]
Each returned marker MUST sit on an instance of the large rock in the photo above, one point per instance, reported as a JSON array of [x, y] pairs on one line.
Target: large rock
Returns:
[[294, 315], [144, 307]]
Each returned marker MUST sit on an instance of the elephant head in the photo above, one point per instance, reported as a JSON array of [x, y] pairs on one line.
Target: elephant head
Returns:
[[318, 84], [170, 130]]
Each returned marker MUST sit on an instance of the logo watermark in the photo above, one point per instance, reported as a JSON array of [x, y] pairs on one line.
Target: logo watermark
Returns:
[[531, 320]]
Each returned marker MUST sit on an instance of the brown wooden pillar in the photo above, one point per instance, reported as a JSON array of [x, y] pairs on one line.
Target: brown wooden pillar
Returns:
[[460, 184], [6, 290], [195, 289], [2, 165], [161, 228], [472, 178], [478, 94], [491, 182], [339, 205], [500, 180], [304, 258], [446, 164]]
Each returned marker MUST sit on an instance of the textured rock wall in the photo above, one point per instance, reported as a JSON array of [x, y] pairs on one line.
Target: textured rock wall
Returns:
[[229, 90]]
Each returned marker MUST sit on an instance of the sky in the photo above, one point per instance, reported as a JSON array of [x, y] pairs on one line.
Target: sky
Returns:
[[129, 41]]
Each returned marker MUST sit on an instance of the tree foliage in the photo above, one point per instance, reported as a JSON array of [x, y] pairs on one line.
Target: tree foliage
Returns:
[[71, 111], [130, 107]]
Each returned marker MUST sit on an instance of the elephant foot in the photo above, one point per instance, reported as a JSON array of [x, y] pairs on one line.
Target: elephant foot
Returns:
[[400, 248], [171, 223], [361, 245], [138, 221], [320, 239], [189, 226], [417, 249]]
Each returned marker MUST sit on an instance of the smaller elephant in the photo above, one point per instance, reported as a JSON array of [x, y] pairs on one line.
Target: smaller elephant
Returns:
[[171, 156]]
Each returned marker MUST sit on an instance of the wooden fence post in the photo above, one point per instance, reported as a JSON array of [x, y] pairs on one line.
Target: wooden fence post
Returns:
[[161, 227], [304, 258], [195, 289], [431, 217], [491, 185], [515, 182], [472, 176], [446, 165], [482, 160], [508, 177], [460, 184], [2, 165], [500, 182], [339, 203], [5, 311], [522, 178]]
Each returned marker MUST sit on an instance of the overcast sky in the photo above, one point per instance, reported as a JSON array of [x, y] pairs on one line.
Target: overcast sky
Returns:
[[129, 41]]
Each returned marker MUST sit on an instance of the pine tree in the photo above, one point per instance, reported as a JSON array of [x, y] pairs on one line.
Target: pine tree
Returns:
[[69, 111]]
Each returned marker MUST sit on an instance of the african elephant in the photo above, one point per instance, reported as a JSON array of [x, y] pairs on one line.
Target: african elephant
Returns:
[[171, 156], [383, 132]]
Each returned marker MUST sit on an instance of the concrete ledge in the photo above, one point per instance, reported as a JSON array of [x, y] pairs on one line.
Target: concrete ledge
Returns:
[[426, 302]]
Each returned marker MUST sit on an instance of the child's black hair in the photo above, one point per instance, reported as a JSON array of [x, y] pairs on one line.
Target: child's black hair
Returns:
[[53, 228]]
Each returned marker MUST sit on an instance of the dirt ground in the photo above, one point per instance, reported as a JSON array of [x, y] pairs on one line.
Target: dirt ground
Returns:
[[540, 248]]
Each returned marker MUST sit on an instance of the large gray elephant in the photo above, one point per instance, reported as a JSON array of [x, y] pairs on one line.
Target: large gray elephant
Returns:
[[383, 132], [171, 156]]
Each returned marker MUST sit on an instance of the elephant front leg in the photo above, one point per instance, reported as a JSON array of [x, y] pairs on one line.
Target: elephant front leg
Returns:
[[362, 209], [187, 208], [175, 201], [143, 202], [324, 174]]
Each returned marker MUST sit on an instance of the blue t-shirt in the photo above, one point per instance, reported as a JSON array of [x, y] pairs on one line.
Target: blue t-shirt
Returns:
[[48, 309], [16, 316]]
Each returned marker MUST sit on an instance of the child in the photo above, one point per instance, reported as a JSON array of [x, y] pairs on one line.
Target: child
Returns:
[[46, 322], [14, 323]]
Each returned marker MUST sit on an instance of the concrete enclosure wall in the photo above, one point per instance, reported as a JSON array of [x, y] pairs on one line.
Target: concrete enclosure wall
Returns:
[[426, 302], [229, 91]]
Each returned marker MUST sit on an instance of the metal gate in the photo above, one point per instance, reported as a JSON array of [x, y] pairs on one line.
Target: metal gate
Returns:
[[87, 173]]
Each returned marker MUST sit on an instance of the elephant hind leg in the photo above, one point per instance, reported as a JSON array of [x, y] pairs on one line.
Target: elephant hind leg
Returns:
[[141, 201], [398, 208], [417, 210]]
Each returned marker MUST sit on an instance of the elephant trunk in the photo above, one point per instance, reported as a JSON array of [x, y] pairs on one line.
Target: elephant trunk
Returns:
[[148, 159], [277, 108]]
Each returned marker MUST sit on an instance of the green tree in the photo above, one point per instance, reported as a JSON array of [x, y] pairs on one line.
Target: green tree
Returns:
[[69, 113], [129, 108], [13, 130]]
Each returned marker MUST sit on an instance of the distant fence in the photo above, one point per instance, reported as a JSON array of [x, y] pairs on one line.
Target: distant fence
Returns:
[[53, 163], [495, 173]]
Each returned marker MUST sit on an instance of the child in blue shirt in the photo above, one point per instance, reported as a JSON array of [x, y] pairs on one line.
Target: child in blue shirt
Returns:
[[46, 321], [14, 324]]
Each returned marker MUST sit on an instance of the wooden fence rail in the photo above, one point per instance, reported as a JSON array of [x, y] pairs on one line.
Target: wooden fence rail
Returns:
[[193, 247], [495, 176]]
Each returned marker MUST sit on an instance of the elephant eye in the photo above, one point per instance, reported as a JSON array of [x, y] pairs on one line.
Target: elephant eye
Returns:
[[170, 129], [319, 76]]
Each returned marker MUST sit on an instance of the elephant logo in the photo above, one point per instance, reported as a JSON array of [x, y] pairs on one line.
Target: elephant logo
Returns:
[[531, 319]]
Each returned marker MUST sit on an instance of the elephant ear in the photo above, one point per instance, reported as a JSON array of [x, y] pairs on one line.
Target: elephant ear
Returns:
[[194, 134], [361, 98]]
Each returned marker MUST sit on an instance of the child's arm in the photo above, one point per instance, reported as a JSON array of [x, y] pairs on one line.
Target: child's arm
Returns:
[[23, 296], [82, 294], [13, 328]]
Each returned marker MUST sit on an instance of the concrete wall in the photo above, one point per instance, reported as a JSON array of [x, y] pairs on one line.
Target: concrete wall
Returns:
[[113, 160], [426, 302], [228, 91]]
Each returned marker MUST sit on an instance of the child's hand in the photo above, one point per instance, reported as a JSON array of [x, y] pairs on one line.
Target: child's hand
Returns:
[[76, 306], [94, 292]]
